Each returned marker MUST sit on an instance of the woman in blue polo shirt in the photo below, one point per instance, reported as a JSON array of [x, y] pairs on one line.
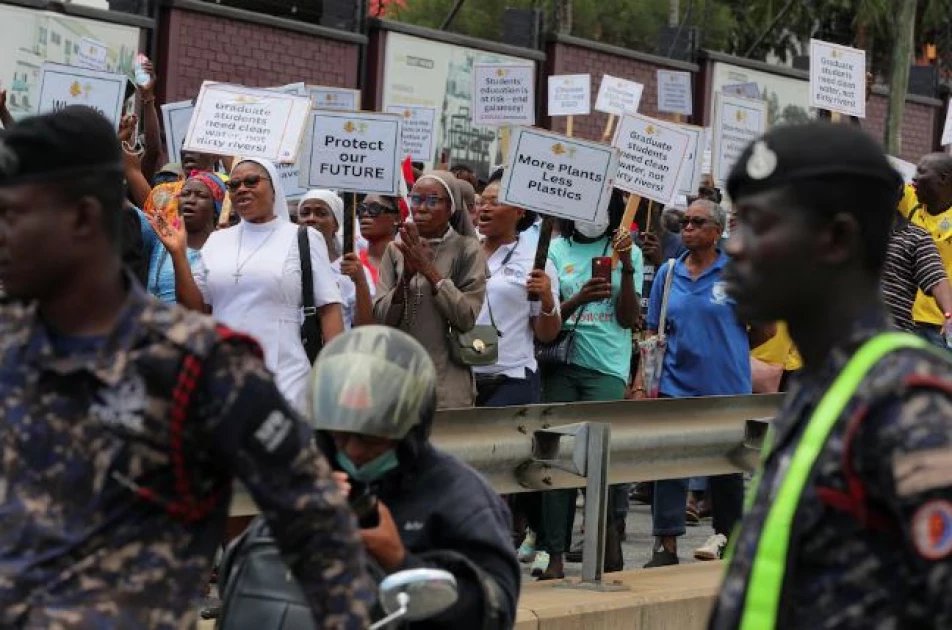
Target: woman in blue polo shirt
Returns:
[[708, 354]]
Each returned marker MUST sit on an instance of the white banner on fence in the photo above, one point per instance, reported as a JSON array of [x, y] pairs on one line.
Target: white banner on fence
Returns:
[[570, 95], [838, 78], [618, 96], [238, 120], [334, 98], [503, 94], [674, 92], [737, 122], [650, 157], [353, 152], [559, 176], [62, 86]]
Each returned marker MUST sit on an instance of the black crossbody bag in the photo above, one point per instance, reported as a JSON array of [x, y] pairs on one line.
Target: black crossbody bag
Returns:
[[311, 335]]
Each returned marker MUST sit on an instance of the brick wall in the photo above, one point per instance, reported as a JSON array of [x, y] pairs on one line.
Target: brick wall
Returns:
[[569, 55], [918, 125], [200, 41]]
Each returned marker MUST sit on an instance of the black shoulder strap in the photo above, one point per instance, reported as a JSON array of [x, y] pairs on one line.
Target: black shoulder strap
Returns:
[[307, 275]]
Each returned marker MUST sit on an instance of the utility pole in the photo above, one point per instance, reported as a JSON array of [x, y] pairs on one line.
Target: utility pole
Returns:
[[899, 75], [674, 13]]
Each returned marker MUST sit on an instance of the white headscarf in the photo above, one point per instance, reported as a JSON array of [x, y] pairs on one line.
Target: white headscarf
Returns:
[[280, 201], [333, 201]]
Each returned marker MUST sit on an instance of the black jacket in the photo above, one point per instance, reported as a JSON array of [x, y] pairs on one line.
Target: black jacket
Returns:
[[444, 505]]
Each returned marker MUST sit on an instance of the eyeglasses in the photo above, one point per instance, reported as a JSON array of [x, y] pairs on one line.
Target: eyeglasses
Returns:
[[250, 181], [374, 210], [492, 203], [431, 201], [697, 222]]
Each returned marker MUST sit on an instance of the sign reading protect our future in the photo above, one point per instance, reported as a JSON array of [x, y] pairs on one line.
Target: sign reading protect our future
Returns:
[[352, 152], [651, 157], [237, 120], [559, 176]]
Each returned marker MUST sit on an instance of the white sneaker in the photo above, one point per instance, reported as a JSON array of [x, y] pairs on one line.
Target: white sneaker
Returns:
[[527, 549], [713, 549], [540, 564]]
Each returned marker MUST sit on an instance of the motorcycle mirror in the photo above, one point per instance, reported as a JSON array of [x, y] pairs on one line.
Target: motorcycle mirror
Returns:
[[418, 593]]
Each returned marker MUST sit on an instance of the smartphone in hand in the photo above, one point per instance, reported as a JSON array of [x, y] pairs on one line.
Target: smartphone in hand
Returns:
[[602, 267]]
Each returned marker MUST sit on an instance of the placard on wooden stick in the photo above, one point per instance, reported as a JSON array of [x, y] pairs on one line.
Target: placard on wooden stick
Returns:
[[737, 122], [838, 78], [651, 157]]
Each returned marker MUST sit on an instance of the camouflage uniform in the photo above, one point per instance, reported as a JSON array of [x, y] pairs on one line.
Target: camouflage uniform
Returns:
[[884, 561], [94, 531]]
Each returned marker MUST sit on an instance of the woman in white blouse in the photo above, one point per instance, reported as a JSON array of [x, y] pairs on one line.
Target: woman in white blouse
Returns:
[[510, 257], [249, 276]]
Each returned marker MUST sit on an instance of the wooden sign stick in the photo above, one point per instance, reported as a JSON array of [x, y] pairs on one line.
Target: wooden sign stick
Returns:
[[542, 249], [648, 219], [504, 143], [630, 209], [569, 123], [608, 128], [349, 217]]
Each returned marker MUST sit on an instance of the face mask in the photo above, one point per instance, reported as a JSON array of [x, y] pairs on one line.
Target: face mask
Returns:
[[591, 230], [372, 470]]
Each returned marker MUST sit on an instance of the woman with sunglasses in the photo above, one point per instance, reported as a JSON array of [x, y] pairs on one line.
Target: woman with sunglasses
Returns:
[[379, 219], [708, 354], [323, 210], [433, 279], [249, 276]]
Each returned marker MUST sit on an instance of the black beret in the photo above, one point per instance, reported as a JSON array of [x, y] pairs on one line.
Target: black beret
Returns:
[[75, 140], [791, 153]]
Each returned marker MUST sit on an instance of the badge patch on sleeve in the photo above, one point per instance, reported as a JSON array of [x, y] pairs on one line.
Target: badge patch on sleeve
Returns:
[[922, 471], [932, 529]]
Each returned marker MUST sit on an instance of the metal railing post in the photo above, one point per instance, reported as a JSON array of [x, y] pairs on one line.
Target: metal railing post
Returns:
[[596, 501]]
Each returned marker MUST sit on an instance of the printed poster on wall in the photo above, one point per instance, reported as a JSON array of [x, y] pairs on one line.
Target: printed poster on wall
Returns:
[[787, 97], [838, 78], [62, 86], [651, 157], [238, 120], [334, 98], [570, 95], [92, 54], [352, 152], [416, 131], [738, 121], [559, 176], [674, 92], [503, 94], [425, 73]]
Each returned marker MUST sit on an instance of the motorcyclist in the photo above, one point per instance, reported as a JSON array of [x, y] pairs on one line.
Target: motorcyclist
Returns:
[[372, 401]]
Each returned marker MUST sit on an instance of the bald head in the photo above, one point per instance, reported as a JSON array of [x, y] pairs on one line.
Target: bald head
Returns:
[[933, 181]]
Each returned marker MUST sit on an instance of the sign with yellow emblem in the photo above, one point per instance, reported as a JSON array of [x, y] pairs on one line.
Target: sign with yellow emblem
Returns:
[[334, 98], [503, 94], [352, 152], [559, 176], [738, 121], [651, 157], [417, 131], [62, 86]]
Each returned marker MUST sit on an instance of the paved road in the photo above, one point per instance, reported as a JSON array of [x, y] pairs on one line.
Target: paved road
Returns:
[[637, 549]]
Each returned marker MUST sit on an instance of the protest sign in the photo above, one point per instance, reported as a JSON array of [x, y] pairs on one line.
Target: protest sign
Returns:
[[650, 157], [674, 92], [618, 96], [297, 89], [559, 176], [334, 98], [92, 54], [906, 169], [176, 118], [737, 122], [62, 86], [290, 174], [416, 131], [706, 156], [693, 161], [838, 78], [570, 95], [947, 129], [352, 151], [237, 120], [503, 94], [747, 90]]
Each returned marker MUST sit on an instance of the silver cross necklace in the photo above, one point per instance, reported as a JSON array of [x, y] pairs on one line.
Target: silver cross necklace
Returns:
[[239, 267]]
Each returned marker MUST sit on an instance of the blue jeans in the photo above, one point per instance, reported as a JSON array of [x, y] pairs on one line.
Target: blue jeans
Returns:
[[510, 392], [932, 334], [726, 492]]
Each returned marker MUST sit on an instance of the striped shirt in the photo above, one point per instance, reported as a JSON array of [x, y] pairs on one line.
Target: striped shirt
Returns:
[[912, 263]]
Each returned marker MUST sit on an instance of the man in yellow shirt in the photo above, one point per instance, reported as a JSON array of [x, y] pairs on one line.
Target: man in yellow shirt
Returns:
[[928, 204], [779, 351]]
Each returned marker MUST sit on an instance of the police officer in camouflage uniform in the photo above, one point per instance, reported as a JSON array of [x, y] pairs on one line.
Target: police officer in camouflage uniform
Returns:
[[123, 421], [851, 519]]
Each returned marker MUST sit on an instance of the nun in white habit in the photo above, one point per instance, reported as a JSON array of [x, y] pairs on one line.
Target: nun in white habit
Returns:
[[249, 277]]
